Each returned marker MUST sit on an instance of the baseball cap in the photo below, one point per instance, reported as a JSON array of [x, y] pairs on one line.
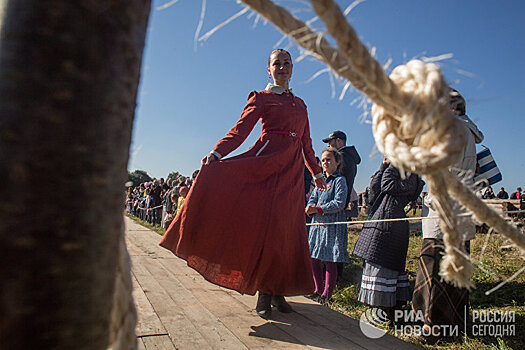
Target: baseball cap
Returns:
[[335, 135]]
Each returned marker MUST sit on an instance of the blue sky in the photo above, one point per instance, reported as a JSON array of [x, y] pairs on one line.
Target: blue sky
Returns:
[[189, 98]]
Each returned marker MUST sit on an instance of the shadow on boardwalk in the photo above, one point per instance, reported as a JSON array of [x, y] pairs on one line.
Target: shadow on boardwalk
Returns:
[[178, 309]]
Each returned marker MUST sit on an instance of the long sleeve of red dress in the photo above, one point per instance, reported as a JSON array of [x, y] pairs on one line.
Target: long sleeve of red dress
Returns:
[[252, 112], [240, 131]]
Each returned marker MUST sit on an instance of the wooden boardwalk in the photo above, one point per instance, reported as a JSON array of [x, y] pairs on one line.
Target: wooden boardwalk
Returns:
[[178, 309]]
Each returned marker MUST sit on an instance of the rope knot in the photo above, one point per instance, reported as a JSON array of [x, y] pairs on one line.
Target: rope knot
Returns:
[[422, 136]]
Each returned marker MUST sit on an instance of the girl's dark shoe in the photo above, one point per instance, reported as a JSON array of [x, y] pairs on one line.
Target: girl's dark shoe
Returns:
[[313, 296], [321, 299], [281, 304], [264, 307]]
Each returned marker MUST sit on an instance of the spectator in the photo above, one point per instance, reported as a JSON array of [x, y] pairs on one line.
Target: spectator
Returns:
[[328, 243], [162, 184], [168, 204], [383, 245], [129, 200], [148, 204], [440, 302], [352, 209], [166, 201], [183, 192], [155, 203], [170, 215], [517, 194], [194, 175], [489, 193], [502, 194]]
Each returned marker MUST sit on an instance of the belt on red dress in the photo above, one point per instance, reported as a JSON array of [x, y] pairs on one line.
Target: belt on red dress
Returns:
[[279, 132]]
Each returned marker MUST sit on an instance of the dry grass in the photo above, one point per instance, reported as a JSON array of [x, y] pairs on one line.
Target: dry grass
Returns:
[[496, 264]]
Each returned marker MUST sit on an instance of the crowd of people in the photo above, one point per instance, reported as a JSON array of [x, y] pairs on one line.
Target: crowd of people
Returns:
[[257, 240], [488, 193], [158, 201]]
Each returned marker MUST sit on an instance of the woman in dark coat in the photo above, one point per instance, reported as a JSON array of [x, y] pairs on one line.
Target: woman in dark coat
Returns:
[[383, 245]]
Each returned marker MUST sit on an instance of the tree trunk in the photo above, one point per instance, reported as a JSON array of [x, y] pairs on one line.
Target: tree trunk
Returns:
[[69, 71]]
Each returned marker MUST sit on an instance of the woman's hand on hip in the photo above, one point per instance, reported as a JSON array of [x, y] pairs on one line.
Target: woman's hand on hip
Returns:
[[210, 158]]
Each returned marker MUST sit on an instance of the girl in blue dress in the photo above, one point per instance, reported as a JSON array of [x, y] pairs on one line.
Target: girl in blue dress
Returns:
[[328, 243]]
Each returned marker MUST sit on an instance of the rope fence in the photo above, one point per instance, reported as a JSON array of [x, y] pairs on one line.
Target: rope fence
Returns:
[[418, 218], [413, 218], [157, 207]]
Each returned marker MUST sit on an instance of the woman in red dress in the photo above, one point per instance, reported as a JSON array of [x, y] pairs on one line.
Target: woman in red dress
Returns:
[[242, 225]]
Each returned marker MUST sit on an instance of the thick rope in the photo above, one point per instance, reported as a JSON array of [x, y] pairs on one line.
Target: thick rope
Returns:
[[455, 266], [483, 212], [123, 313], [362, 62], [412, 124], [425, 138]]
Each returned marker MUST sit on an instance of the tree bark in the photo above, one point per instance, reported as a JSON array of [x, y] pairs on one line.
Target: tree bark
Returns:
[[69, 71]]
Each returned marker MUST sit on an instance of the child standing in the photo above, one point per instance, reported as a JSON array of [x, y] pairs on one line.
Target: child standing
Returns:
[[183, 192], [328, 243]]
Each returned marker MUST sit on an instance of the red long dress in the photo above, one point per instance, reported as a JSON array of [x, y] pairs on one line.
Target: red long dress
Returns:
[[242, 225]]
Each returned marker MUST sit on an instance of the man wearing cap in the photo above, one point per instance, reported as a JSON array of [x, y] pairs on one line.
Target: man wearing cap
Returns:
[[351, 158]]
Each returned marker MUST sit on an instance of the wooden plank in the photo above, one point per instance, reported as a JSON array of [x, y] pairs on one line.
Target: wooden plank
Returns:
[[242, 321], [140, 344], [162, 342], [148, 322], [183, 333], [131, 225], [148, 243], [210, 327], [336, 322], [345, 326], [309, 332], [300, 331], [132, 247]]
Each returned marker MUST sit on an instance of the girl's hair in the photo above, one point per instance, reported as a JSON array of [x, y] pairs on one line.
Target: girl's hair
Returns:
[[337, 156], [279, 50]]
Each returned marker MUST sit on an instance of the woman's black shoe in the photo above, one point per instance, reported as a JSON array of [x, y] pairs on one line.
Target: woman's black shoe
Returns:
[[264, 307], [281, 304]]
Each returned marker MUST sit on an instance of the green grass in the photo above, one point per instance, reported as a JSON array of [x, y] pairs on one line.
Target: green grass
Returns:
[[157, 229], [497, 264]]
